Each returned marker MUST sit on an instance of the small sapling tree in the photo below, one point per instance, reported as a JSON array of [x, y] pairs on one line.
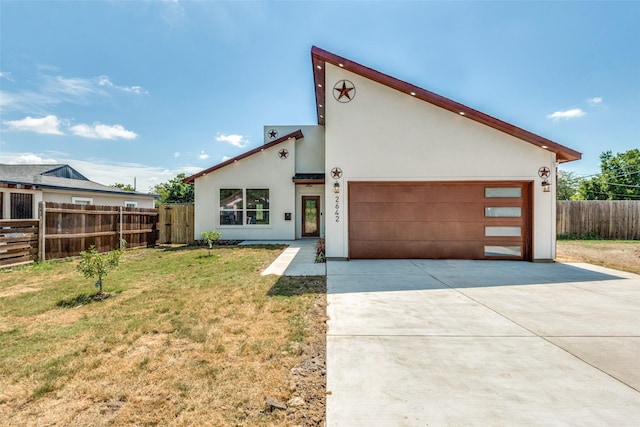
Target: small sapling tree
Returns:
[[210, 237], [96, 265]]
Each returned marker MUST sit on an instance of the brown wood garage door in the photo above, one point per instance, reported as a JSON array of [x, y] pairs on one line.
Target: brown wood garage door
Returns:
[[440, 220]]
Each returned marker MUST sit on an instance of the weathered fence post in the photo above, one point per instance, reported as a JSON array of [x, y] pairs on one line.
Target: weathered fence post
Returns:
[[120, 227], [42, 250]]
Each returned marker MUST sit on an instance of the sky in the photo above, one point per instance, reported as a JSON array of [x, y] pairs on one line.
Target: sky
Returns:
[[145, 90]]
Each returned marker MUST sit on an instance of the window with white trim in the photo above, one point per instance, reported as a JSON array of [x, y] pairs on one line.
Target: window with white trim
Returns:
[[244, 206], [82, 200], [130, 204]]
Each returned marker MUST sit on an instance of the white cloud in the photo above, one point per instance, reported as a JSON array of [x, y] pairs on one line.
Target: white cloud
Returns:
[[233, 139], [33, 159], [105, 81], [225, 158], [176, 154], [100, 131], [594, 101], [203, 155], [54, 89], [6, 75], [78, 89], [567, 114], [48, 125]]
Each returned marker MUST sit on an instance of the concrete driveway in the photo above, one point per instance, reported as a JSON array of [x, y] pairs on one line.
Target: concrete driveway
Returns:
[[487, 343]]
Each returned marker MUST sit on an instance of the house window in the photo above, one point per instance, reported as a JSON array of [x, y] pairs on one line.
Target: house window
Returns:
[[244, 206], [258, 206], [129, 204], [21, 206], [81, 201], [231, 207]]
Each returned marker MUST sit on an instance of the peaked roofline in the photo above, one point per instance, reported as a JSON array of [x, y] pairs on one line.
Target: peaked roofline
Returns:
[[297, 135], [320, 57], [44, 178]]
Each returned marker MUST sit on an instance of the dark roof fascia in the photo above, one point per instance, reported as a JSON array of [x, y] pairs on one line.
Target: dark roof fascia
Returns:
[[36, 186], [309, 178], [88, 190], [297, 135], [319, 57]]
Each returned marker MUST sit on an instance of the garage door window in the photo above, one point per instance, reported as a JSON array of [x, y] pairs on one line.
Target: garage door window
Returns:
[[503, 192], [494, 231], [498, 212], [503, 251]]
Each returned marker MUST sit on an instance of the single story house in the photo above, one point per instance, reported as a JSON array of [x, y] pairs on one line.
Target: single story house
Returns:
[[23, 187], [389, 171]]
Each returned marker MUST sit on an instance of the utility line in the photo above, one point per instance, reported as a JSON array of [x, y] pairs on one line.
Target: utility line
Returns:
[[622, 185]]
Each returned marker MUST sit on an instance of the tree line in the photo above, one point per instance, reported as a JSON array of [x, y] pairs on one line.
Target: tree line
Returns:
[[172, 191], [619, 179]]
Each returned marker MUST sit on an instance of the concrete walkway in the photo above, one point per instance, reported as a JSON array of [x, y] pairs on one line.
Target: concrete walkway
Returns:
[[459, 343], [298, 259]]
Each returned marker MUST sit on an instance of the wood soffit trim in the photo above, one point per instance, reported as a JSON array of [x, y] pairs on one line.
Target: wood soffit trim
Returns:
[[320, 57], [295, 135], [300, 181]]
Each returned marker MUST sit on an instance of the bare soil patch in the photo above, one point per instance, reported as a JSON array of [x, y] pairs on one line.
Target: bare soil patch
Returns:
[[17, 290], [620, 255]]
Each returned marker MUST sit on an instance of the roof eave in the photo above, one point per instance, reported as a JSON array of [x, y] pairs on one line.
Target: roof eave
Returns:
[[39, 186], [320, 57], [293, 135]]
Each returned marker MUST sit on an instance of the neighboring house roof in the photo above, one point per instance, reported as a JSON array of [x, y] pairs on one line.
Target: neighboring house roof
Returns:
[[56, 177], [297, 135], [320, 57]]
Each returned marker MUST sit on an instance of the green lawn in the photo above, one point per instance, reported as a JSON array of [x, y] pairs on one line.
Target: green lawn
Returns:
[[186, 339]]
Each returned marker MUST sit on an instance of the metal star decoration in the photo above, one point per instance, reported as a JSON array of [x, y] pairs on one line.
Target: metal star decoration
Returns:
[[344, 91], [272, 133], [283, 153], [544, 172], [336, 173]]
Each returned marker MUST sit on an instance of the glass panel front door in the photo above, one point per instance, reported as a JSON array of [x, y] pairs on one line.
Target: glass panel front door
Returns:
[[310, 216]]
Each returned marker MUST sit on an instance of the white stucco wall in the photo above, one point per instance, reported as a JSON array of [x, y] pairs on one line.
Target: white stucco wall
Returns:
[[98, 199], [309, 150], [261, 170], [386, 135]]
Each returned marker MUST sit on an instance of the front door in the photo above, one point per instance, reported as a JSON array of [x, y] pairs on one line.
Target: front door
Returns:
[[310, 216]]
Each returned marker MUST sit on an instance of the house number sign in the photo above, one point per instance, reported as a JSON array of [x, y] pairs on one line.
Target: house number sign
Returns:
[[336, 173]]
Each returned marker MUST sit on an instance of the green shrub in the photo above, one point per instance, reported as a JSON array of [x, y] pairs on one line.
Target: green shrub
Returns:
[[96, 265], [210, 237]]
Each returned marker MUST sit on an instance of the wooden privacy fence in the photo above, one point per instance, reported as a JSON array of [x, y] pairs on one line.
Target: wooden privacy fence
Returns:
[[67, 229], [606, 219], [18, 241], [176, 223]]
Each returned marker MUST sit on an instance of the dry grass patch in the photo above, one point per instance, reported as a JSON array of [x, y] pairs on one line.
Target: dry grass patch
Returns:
[[185, 339], [618, 254]]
